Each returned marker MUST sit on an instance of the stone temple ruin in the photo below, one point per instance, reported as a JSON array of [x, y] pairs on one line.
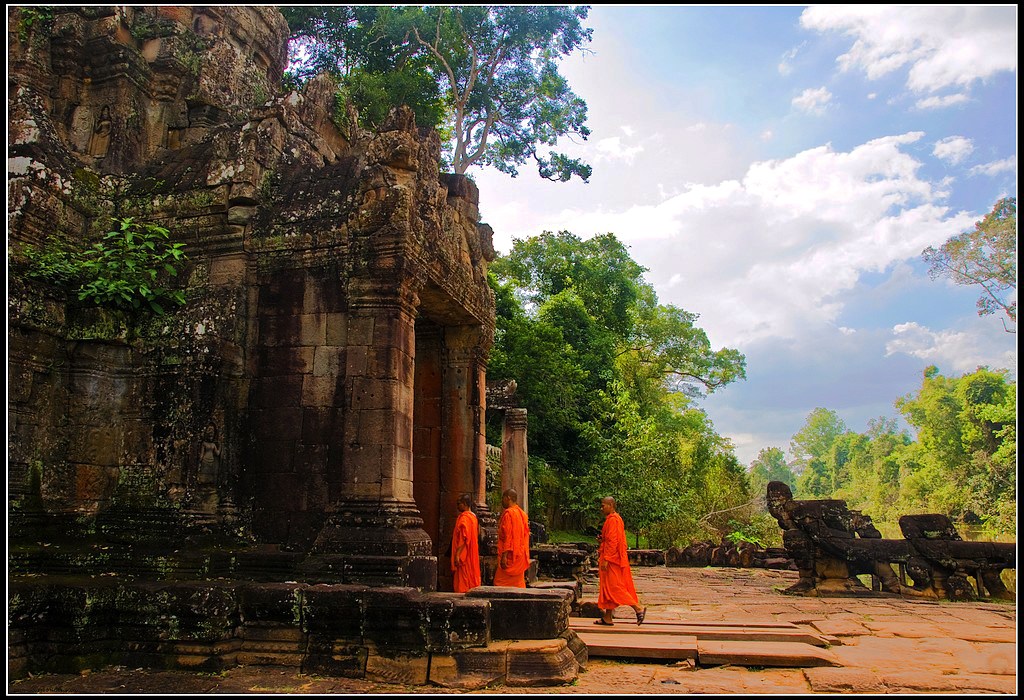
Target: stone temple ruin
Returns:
[[267, 475]]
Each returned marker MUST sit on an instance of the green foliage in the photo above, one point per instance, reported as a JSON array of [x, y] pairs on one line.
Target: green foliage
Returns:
[[742, 532], [595, 359], [964, 460], [356, 45], [961, 463], [986, 256], [32, 17], [770, 465], [487, 75], [127, 270], [813, 458]]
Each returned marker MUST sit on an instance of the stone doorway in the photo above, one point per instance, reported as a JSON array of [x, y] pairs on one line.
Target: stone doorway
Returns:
[[448, 439]]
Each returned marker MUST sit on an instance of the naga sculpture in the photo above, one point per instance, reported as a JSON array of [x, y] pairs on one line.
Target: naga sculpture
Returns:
[[831, 545]]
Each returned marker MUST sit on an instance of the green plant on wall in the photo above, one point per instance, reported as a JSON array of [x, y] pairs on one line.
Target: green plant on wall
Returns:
[[31, 17], [127, 270]]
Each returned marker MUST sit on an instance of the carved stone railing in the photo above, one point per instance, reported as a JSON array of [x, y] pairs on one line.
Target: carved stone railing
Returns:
[[832, 545]]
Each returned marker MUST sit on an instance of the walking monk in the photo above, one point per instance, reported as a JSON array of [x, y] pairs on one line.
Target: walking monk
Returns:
[[465, 547], [513, 543], [615, 580]]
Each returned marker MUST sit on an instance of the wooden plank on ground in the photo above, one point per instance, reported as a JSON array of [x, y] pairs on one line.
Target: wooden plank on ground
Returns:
[[639, 646], [705, 631], [744, 653]]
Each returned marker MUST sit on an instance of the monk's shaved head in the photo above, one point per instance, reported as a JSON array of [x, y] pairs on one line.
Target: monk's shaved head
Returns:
[[512, 495]]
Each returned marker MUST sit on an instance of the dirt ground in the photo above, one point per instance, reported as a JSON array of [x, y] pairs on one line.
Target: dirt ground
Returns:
[[886, 645]]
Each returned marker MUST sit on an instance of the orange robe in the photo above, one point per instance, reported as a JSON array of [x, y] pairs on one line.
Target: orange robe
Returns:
[[615, 583], [513, 537], [466, 573]]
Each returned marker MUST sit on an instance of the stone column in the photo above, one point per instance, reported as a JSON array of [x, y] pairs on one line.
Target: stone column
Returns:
[[463, 463], [514, 455], [374, 531]]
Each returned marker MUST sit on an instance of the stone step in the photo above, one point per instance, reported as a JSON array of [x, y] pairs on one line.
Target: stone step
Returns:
[[638, 645], [707, 631], [749, 653]]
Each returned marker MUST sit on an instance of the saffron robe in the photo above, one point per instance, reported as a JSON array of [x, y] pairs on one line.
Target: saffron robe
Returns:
[[514, 538], [615, 583], [466, 572]]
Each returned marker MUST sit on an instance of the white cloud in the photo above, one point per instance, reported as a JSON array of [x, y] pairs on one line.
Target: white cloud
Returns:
[[785, 65], [943, 101], [813, 100], [767, 135], [941, 46], [995, 167], [775, 251], [612, 148], [950, 350], [953, 149]]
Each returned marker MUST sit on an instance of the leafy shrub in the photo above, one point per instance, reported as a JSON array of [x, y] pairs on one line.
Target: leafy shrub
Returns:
[[127, 270]]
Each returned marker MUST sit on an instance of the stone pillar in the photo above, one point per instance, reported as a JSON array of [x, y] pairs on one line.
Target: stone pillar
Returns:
[[514, 455], [428, 435], [463, 463], [374, 531]]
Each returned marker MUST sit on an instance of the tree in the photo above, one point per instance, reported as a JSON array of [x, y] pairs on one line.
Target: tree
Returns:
[[663, 340], [811, 448], [986, 256], [770, 465], [594, 357], [667, 340], [372, 68], [963, 462], [494, 67], [499, 71]]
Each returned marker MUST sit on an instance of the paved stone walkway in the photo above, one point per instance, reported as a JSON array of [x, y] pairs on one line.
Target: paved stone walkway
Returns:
[[889, 646]]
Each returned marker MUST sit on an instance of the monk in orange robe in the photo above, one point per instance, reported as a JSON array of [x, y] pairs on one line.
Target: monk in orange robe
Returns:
[[615, 579], [513, 543], [465, 547]]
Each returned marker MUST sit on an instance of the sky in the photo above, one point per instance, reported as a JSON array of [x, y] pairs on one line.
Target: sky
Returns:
[[778, 171]]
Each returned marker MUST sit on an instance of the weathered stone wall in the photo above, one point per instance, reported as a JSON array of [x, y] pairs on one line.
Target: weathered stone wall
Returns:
[[317, 259]]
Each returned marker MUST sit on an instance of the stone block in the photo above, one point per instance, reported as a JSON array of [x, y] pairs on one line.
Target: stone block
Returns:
[[270, 604], [545, 662], [96, 444], [227, 270], [526, 613], [370, 394], [285, 360], [646, 557], [455, 622], [312, 329], [334, 610], [279, 331], [336, 329], [401, 669], [319, 424], [329, 361], [395, 619], [321, 391], [326, 657], [470, 669], [274, 392]]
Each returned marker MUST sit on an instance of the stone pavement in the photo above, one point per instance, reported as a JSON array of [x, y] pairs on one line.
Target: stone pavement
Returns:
[[889, 645]]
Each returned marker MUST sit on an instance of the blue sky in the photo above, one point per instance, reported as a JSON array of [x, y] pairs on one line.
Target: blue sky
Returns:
[[778, 171]]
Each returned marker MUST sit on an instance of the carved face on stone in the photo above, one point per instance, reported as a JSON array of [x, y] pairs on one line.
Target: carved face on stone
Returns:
[[778, 495]]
